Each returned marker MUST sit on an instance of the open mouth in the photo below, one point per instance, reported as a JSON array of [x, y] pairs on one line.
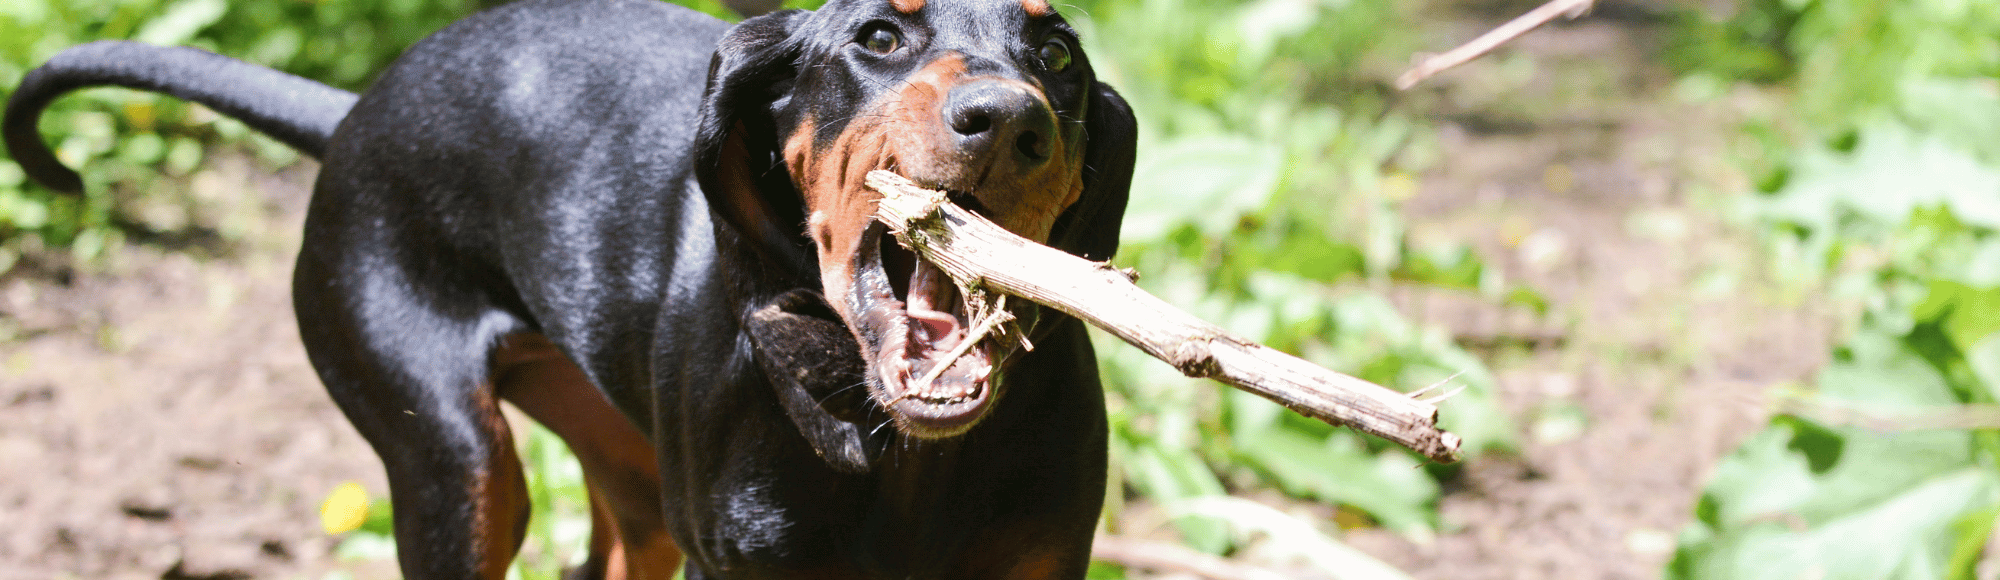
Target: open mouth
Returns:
[[933, 382]]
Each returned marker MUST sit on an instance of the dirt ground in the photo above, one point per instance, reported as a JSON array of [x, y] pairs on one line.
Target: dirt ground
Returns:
[[159, 420], [1586, 179]]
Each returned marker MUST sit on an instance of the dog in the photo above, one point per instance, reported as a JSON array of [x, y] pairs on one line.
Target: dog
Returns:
[[647, 229]]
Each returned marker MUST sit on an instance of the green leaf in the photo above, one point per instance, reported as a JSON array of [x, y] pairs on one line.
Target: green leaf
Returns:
[[1905, 536], [1338, 469], [1314, 255], [1975, 313], [1983, 359], [1209, 181], [1764, 478], [1970, 532], [1820, 445], [1168, 476], [181, 21], [1843, 503], [1883, 374], [1100, 570]]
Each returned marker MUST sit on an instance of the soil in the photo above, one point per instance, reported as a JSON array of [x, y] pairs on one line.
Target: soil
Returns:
[[158, 418], [1585, 179]]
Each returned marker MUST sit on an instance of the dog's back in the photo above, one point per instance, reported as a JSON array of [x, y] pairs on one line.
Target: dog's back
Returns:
[[559, 126]]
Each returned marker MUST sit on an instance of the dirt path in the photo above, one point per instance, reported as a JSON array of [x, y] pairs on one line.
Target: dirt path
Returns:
[[159, 420], [1569, 164]]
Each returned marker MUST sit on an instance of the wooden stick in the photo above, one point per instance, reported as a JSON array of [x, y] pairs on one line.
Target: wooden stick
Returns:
[[981, 255], [1520, 25]]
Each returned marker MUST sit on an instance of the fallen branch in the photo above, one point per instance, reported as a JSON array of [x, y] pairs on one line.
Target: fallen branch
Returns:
[[1520, 25], [1834, 413], [979, 254], [1161, 557]]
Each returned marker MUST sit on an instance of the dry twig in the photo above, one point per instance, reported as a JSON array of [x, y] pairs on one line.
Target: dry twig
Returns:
[[1520, 25], [979, 254]]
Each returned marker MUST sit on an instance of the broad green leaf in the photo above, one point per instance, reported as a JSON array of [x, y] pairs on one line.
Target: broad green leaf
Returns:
[[1208, 181], [1909, 535], [1838, 503], [1263, 23], [1171, 476], [1763, 478], [1338, 469], [1983, 358], [1891, 173], [1983, 268], [1877, 466], [1883, 374], [1971, 532], [181, 21], [1975, 314]]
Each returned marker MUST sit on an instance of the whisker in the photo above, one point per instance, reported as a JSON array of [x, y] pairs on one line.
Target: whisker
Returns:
[[829, 396]]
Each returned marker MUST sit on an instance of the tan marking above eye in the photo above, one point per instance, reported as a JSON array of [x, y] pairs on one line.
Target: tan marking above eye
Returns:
[[1037, 8], [907, 6]]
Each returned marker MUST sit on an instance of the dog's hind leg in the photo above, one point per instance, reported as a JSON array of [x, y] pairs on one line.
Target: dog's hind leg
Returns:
[[628, 537], [408, 362]]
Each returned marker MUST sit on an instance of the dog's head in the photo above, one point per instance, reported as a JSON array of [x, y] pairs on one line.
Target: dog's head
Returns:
[[992, 101]]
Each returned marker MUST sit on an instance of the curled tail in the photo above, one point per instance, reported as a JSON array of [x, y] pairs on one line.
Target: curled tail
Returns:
[[299, 112]]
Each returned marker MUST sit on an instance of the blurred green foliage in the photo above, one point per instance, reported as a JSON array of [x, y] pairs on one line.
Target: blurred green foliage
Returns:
[[1265, 199], [1885, 466], [1851, 61], [133, 144]]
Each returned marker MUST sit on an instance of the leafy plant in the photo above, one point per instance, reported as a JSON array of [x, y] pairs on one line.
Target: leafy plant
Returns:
[[1868, 476], [134, 147], [1886, 466], [1264, 200]]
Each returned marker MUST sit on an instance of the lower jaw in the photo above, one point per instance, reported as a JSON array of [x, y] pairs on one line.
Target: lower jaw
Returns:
[[924, 425], [929, 397], [944, 398], [941, 416]]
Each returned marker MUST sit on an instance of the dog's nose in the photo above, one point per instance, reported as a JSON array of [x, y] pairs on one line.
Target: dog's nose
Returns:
[[1001, 123]]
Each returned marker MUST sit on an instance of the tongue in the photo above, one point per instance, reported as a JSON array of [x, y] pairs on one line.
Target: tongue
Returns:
[[932, 328]]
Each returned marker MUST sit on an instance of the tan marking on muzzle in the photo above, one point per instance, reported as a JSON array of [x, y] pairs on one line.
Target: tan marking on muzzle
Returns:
[[839, 204], [1025, 204]]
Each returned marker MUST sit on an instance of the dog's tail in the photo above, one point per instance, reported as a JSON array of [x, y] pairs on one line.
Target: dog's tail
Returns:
[[299, 112]]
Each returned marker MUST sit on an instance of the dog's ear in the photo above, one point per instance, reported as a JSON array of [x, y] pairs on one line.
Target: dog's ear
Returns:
[[1089, 228], [737, 157], [813, 363]]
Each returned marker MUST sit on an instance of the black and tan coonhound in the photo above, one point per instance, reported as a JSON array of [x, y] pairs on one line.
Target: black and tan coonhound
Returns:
[[647, 229]]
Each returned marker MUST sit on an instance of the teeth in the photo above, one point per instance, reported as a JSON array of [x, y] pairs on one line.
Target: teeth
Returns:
[[934, 330], [962, 393]]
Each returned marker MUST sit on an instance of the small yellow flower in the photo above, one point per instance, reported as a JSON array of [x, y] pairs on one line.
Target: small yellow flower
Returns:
[[1400, 186], [345, 509]]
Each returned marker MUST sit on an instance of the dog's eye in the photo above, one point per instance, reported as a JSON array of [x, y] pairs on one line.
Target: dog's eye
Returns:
[[880, 39], [1054, 54]]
